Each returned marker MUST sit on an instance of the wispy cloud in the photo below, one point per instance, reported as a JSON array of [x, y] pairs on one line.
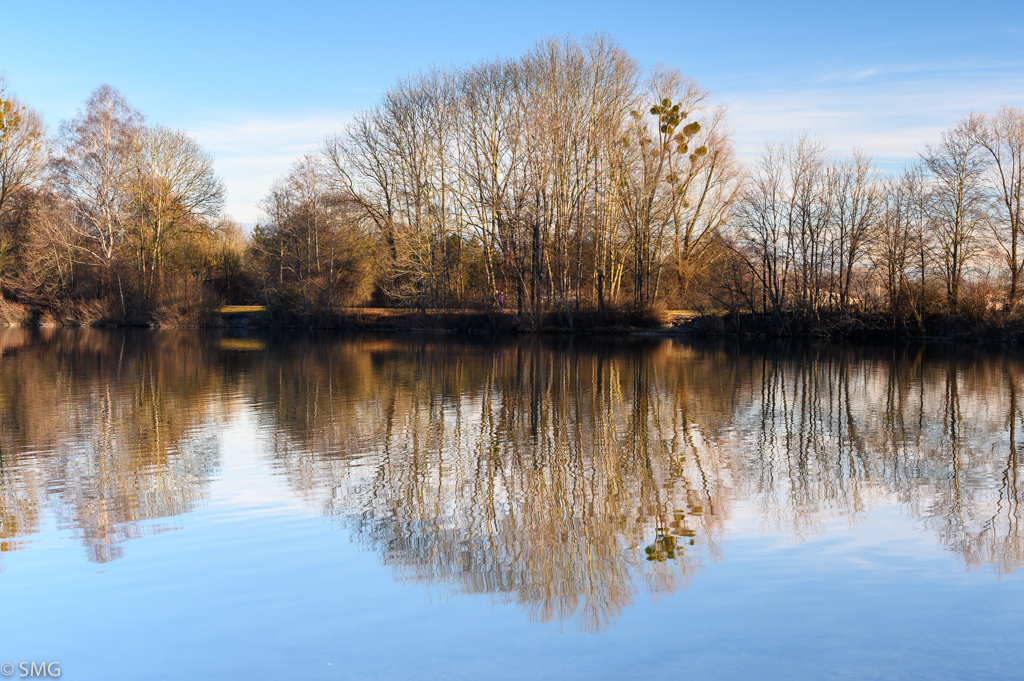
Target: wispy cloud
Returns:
[[866, 73], [252, 150], [889, 112]]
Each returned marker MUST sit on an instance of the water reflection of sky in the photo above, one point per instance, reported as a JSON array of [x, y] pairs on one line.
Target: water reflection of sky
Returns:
[[299, 544]]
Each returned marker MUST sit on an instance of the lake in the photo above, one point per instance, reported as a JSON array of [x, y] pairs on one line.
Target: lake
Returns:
[[196, 504]]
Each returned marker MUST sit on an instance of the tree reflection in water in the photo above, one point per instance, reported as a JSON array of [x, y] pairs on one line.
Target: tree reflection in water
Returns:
[[529, 471], [107, 429], [566, 476]]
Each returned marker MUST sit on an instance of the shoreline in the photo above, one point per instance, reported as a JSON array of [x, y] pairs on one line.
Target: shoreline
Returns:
[[850, 327]]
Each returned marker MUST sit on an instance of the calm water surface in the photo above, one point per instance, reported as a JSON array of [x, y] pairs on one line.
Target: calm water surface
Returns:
[[197, 505]]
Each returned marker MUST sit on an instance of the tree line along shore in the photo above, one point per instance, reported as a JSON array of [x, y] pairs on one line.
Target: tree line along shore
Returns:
[[567, 189]]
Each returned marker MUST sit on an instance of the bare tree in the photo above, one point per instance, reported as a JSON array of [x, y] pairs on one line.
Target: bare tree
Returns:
[[857, 207], [365, 168], [94, 168], [809, 217], [489, 151], [537, 167], [958, 205], [782, 222], [310, 251], [703, 197], [893, 247], [661, 170], [1002, 138], [762, 229], [23, 147], [172, 188]]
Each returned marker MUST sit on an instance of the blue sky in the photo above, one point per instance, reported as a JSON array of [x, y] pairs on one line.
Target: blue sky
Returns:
[[260, 83]]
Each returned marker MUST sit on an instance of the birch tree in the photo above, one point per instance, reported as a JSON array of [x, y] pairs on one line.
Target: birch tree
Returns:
[[94, 170]]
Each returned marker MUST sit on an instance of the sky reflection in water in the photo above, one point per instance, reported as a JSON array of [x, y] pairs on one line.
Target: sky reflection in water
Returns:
[[190, 503]]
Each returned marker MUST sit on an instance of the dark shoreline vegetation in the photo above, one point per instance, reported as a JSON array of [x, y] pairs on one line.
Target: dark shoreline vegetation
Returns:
[[566, 190]]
